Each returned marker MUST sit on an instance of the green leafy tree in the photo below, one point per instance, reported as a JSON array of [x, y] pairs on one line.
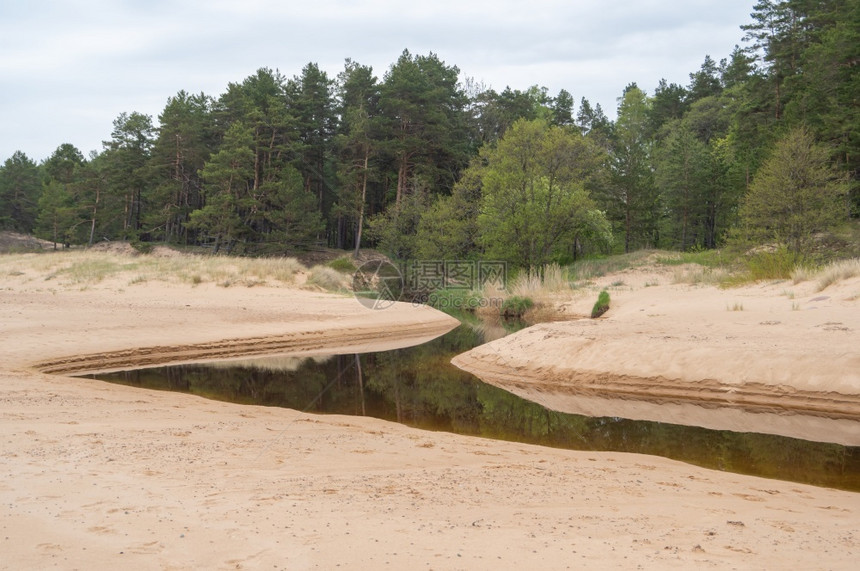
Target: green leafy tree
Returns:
[[668, 104], [423, 108], [126, 165], [358, 148], [227, 177], [285, 211], [20, 186], [705, 82], [632, 198], [826, 98], [682, 175], [396, 229], [796, 193], [313, 106], [75, 188], [58, 214], [184, 143], [448, 229], [562, 108], [534, 198], [496, 112]]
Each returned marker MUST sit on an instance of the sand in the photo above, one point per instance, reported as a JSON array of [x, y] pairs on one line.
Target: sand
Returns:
[[777, 358], [102, 476]]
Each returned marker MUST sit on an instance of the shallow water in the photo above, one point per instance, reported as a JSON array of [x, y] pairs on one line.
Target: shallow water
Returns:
[[419, 387]]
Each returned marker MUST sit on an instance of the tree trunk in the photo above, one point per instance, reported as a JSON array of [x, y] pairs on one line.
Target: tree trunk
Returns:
[[361, 209]]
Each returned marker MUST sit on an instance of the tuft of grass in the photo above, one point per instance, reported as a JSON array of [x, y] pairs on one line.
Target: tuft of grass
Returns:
[[706, 258], [141, 279], [516, 306], [800, 274], [838, 271], [602, 304], [327, 278], [736, 307], [343, 264], [539, 282]]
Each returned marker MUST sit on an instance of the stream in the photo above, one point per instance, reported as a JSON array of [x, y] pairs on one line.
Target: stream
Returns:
[[419, 387]]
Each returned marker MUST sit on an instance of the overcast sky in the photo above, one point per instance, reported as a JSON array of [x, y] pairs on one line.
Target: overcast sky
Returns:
[[68, 68]]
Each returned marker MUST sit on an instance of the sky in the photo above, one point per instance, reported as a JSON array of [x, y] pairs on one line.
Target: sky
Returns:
[[69, 68]]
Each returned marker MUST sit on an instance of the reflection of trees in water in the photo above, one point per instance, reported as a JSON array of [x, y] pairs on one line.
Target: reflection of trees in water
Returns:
[[418, 386]]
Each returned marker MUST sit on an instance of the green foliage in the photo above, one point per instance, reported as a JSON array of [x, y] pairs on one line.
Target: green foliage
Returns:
[[20, 187], [601, 306], [342, 264], [396, 229], [772, 265], [699, 256], [448, 229], [795, 194], [534, 201], [631, 195]]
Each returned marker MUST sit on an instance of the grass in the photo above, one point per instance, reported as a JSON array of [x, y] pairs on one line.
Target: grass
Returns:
[[838, 271], [541, 282], [736, 307], [516, 306], [705, 258], [328, 279], [343, 264], [599, 267], [89, 267], [601, 306]]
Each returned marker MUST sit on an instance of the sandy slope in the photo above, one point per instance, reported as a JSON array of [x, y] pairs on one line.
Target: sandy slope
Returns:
[[105, 476], [787, 363]]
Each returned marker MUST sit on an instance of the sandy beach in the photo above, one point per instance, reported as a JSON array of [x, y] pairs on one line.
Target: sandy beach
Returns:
[[103, 476]]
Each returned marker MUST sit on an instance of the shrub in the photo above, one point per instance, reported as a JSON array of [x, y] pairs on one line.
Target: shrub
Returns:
[[516, 306], [776, 265], [602, 304], [342, 264]]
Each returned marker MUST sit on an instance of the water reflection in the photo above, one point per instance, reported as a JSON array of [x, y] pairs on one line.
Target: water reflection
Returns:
[[418, 386]]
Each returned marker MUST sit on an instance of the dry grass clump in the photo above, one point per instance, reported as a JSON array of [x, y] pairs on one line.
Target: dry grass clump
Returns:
[[328, 279], [541, 282], [838, 271], [801, 274]]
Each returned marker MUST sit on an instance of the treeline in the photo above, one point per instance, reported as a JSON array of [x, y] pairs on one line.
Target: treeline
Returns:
[[424, 164]]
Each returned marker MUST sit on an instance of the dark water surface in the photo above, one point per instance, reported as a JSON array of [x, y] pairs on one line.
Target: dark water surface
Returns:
[[419, 387]]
